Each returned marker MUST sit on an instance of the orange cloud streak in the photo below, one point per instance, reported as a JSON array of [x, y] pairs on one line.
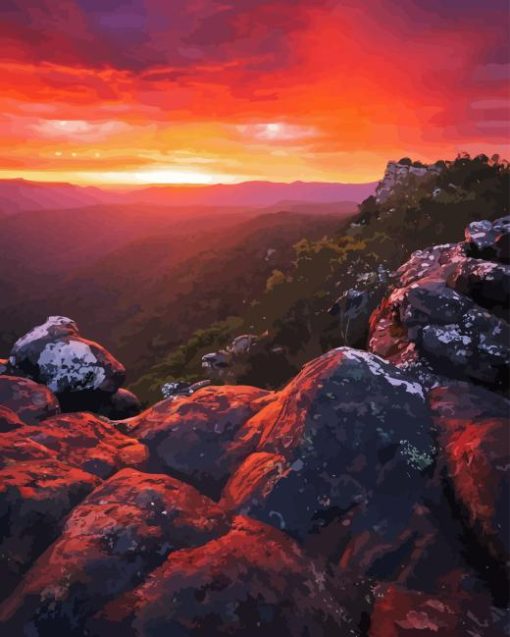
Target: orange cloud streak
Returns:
[[277, 90]]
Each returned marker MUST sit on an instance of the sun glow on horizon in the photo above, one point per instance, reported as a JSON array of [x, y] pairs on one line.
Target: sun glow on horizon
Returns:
[[168, 176]]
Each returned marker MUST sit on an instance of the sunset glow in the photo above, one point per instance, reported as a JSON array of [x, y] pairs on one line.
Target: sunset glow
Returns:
[[195, 91]]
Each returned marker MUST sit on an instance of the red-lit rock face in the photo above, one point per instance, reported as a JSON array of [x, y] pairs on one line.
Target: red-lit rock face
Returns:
[[38, 494], [193, 437], [447, 315], [30, 401], [84, 441], [473, 429], [251, 579], [399, 612], [9, 420]]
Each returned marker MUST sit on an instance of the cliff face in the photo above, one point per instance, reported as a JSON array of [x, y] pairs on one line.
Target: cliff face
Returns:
[[368, 496], [398, 173]]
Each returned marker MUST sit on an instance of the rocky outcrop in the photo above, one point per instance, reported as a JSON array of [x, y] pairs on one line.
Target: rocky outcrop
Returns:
[[191, 438], [355, 306], [175, 389], [82, 374], [35, 497], [399, 612], [473, 432], [367, 497], [398, 173], [30, 401], [447, 315], [489, 240], [227, 363], [329, 448]]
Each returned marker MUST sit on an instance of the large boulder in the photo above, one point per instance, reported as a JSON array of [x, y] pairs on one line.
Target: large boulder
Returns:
[[80, 440], [110, 543], [354, 307], [489, 240], [35, 497], [342, 453], [447, 317], [56, 355], [399, 612], [191, 437], [472, 430], [9, 420], [252, 581], [120, 405], [29, 400]]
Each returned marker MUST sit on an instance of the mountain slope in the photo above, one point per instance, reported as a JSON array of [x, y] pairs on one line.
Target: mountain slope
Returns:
[[418, 212], [144, 297]]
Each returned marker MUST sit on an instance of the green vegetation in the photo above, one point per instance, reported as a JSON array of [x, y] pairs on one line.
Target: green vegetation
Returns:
[[292, 310]]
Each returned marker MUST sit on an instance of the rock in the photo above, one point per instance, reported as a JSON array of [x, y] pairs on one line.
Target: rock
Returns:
[[402, 173], [9, 420], [80, 440], [30, 401], [242, 344], [120, 405], [446, 319], [4, 365], [487, 283], [56, 355], [356, 305], [190, 438], [16, 448], [35, 497], [405, 613], [253, 580], [178, 388], [345, 445], [489, 240], [216, 361], [473, 431], [110, 543], [475, 347]]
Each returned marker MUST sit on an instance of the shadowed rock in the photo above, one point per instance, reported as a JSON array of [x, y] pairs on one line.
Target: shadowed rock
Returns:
[[30, 401], [35, 496], [191, 437]]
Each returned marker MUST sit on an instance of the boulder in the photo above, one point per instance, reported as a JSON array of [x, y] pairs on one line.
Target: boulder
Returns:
[[80, 440], [447, 318], [489, 240], [216, 361], [253, 580], [176, 389], [190, 438], [486, 282], [472, 426], [14, 448], [110, 543], [120, 405], [56, 355], [30, 401], [343, 452], [399, 612], [354, 307], [35, 497], [9, 420]]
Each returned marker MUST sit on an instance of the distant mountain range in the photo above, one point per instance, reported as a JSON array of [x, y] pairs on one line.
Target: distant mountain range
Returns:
[[18, 195]]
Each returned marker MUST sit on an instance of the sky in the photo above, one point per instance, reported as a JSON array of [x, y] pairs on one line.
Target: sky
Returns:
[[206, 91]]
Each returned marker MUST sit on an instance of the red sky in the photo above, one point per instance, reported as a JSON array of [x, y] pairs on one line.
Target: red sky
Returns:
[[141, 91]]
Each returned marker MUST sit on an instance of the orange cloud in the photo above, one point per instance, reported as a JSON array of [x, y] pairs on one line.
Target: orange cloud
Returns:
[[282, 90]]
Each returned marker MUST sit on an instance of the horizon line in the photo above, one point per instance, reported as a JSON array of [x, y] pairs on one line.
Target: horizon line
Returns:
[[159, 185]]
